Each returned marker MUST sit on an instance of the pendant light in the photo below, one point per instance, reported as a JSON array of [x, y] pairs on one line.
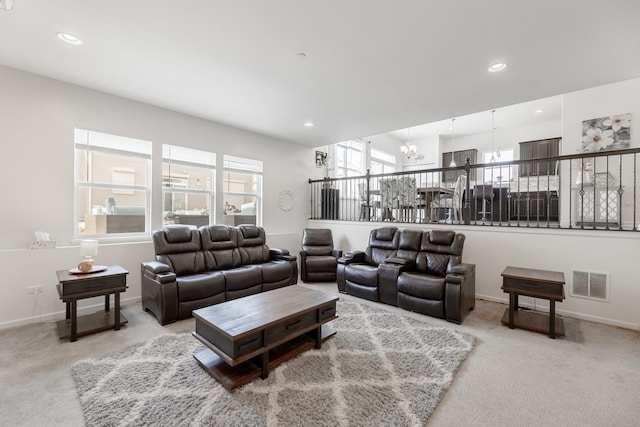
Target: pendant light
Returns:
[[493, 131], [453, 138]]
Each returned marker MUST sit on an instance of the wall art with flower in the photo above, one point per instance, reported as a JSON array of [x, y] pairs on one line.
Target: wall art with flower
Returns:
[[606, 133]]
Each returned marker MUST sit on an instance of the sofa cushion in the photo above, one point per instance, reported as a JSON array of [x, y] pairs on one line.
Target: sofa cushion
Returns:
[[321, 263], [363, 274], [242, 277], [220, 245], [199, 286], [251, 245], [409, 244], [421, 286], [275, 271], [440, 250], [317, 241]]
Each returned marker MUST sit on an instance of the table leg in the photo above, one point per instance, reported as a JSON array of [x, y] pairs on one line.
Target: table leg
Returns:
[[552, 319], [264, 365], [106, 303], [67, 310], [516, 303], [319, 337], [73, 336], [513, 302], [116, 310]]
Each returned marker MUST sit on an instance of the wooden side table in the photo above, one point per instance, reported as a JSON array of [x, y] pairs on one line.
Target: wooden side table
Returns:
[[72, 287], [538, 284]]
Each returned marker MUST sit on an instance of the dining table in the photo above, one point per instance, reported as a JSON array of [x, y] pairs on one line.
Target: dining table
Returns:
[[425, 196]]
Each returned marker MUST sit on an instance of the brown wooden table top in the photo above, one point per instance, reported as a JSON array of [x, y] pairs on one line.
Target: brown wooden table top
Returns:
[[67, 276], [243, 315], [544, 276]]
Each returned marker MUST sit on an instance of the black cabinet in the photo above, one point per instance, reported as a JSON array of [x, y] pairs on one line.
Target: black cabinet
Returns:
[[460, 157], [538, 149], [330, 203], [535, 206]]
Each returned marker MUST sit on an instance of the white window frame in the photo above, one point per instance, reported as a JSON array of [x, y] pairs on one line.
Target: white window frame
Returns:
[[183, 156], [505, 173], [92, 142], [246, 166]]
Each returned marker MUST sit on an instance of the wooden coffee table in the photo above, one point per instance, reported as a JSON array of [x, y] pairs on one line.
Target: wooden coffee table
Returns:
[[247, 337]]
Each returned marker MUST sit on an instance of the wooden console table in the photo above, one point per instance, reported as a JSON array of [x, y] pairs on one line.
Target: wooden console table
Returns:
[[73, 287], [538, 284]]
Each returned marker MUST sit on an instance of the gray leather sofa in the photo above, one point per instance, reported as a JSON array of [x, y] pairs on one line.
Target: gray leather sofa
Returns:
[[417, 270], [195, 268]]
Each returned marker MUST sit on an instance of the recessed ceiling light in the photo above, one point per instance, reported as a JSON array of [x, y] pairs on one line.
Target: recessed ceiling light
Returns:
[[538, 111], [498, 66], [301, 55], [308, 125], [69, 38]]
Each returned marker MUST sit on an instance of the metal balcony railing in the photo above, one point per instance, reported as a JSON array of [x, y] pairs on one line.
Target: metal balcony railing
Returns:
[[595, 191]]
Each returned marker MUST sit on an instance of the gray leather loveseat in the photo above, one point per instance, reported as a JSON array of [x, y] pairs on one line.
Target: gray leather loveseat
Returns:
[[417, 270], [195, 268]]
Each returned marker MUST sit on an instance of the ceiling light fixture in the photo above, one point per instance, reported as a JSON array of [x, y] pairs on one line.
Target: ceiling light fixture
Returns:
[[69, 38], [493, 129], [498, 66], [308, 124], [410, 150], [6, 4], [538, 111], [453, 138]]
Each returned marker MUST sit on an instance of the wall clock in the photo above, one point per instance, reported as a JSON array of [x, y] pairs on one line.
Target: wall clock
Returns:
[[285, 200]]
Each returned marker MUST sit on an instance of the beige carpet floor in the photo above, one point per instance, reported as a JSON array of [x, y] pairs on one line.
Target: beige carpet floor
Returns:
[[591, 377]]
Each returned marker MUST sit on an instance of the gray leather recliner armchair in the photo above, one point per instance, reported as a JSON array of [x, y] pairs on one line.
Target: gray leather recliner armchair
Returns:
[[318, 258]]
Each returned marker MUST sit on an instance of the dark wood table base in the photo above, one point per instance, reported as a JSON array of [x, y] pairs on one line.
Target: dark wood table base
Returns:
[[232, 377], [534, 283], [533, 321], [90, 323]]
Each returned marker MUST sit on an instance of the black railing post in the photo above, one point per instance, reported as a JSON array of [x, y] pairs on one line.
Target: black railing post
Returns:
[[467, 193]]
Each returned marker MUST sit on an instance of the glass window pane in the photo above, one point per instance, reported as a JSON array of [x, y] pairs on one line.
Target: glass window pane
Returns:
[[107, 211]]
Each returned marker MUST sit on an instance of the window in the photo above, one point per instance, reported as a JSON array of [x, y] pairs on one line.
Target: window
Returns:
[[112, 184], [382, 162], [242, 191], [498, 174], [188, 180], [349, 159]]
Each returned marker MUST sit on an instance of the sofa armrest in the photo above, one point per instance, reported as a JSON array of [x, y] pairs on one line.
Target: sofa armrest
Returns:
[[282, 255], [336, 253], [158, 271], [350, 257], [159, 291], [460, 292], [402, 262], [458, 272]]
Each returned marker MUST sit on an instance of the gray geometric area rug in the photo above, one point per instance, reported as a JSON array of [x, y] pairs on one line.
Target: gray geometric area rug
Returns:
[[380, 369]]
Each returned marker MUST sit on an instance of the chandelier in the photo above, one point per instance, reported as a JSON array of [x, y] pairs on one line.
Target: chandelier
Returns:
[[409, 150]]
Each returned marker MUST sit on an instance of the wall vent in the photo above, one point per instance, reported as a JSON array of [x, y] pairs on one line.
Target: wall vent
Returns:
[[590, 284]]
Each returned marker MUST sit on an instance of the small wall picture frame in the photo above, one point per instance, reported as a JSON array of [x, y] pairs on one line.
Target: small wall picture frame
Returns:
[[321, 159]]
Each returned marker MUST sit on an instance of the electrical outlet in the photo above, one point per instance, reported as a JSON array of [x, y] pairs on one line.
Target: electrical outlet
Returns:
[[34, 290]]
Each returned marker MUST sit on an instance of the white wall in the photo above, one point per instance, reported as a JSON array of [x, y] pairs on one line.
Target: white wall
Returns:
[[38, 118], [505, 138], [493, 249]]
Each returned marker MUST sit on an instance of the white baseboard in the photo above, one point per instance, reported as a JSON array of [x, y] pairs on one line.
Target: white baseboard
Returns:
[[59, 315], [572, 314]]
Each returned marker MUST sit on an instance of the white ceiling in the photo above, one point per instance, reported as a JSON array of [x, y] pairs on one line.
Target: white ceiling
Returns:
[[370, 67]]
